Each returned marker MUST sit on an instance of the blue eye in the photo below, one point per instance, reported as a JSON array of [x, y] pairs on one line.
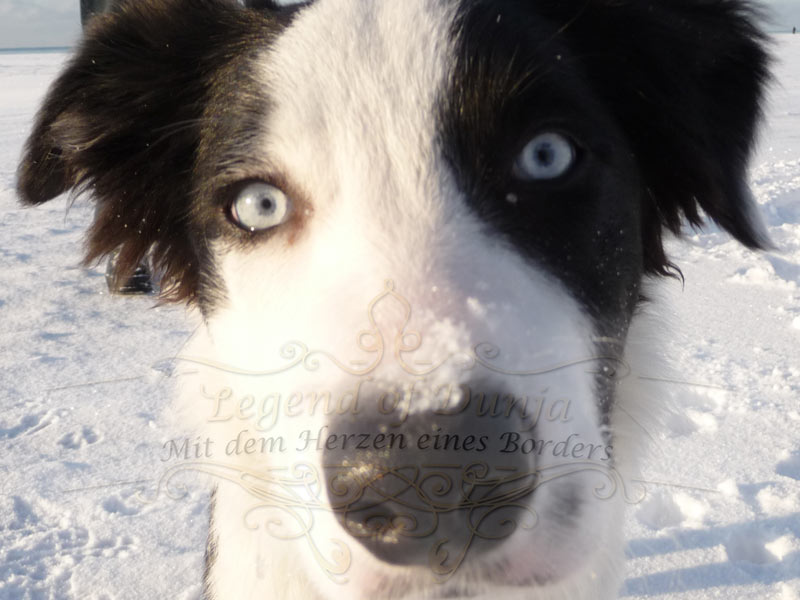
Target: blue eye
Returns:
[[547, 156], [259, 206]]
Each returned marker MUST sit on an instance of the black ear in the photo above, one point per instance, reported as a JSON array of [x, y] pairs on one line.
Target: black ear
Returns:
[[124, 121], [686, 79]]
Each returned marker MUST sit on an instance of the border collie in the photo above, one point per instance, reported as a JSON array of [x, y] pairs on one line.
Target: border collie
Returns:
[[418, 234]]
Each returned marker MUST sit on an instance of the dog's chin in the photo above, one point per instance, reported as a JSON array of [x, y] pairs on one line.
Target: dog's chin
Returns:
[[562, 554], [510, 574]]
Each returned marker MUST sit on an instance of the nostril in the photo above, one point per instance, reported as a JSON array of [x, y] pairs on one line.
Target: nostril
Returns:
[[444, 481]]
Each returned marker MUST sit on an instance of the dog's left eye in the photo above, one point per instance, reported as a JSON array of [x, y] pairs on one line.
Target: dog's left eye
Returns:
[[547, 156], [259, 206]]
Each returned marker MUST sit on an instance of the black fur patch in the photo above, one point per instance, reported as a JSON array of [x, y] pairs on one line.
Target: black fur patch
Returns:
[[126, 121], [662, 99]]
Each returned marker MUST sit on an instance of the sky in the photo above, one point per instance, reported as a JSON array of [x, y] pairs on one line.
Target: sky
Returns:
[[35, 23]]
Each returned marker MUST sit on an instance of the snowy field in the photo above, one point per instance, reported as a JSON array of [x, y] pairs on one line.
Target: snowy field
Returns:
[[85, 378]]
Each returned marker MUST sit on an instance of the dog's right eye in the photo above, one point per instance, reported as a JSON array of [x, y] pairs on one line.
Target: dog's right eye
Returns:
[[258, 206]]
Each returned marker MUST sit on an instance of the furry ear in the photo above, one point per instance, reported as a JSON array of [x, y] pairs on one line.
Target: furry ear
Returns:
[[124, 121], [686, 79]]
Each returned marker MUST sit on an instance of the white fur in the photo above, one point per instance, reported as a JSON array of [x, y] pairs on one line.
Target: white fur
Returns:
[[354, 88]]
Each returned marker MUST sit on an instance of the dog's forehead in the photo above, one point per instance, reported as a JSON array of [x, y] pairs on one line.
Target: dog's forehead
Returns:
[[353, 89], [348, 55]]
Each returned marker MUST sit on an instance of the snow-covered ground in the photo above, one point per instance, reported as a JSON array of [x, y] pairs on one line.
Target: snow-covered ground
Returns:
[[84, 379]]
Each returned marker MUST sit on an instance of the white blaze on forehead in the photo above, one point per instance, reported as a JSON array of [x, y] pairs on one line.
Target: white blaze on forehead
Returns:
[[353, 87]]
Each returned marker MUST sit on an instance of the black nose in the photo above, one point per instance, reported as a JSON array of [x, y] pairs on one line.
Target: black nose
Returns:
[[423, 486]]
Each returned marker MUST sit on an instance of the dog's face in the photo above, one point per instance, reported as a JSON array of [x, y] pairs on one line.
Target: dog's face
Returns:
[[508, 166]]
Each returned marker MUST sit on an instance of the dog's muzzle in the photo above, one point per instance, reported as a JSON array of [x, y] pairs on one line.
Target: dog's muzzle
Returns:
[[421, 488]]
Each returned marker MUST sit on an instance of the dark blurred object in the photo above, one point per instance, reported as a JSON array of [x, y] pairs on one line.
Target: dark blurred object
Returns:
[[93, 7], [141, 281]]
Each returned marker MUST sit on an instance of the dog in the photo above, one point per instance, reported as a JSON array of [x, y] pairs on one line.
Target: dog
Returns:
[[420, 237]]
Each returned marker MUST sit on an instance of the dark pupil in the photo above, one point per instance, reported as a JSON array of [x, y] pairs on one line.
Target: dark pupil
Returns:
[[267, 205], [545, 154]]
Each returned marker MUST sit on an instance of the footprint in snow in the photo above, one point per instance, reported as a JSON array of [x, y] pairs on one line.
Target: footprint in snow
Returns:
[[659, 511], [664, 509], [751, 545], [118, 506], [29, 424], [23, 514], [119, 546], [74, 441], [790, 467]]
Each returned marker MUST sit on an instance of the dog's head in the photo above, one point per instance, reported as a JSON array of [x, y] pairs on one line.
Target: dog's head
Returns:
[[509, 165]]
